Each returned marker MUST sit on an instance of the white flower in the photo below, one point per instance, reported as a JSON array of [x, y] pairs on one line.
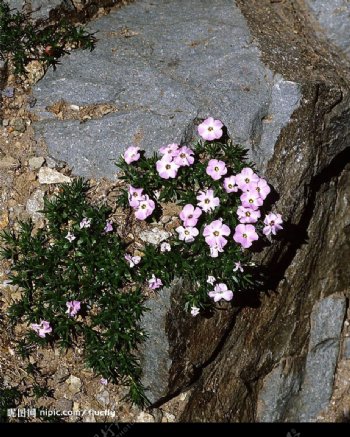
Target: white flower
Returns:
[[195, 311], [165, 247], [211, 280], [70, 237], [187, 234]]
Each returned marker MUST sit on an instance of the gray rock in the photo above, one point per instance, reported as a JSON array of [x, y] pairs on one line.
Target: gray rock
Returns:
[[35, 204], [347, 348], [163, 78], [334, 20], [50, 176], [277, 389], [326, 323], [36, 162], [103, 398], [41, 8], [154, 236], [155, 350]]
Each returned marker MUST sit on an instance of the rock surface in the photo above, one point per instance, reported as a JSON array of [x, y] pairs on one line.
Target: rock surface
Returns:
[[164, 74], [334, 20]]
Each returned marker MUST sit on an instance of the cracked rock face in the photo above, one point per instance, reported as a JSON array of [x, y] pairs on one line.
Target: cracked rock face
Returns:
[[162, 73]]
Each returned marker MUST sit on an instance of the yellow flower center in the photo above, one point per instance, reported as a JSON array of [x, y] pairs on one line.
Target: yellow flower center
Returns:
[[168, 166], [216, 168], [210, 128], [216, 233], [206, 201], [251, 200], [187, 233], [247, 180], [245, 236], [247, 214], [143, 206]]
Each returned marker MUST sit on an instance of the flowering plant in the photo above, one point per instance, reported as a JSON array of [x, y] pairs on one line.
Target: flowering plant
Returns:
[[222, 200]]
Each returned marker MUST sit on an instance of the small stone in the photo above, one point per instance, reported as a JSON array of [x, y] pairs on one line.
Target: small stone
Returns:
[[5, 122], [74, 107], [35, 71], [74, 384], [36, 203], [49, 176], [144, 417], [154, 236], [31, 101], [64, 405], [36, 162], [165, 219], [103, 398], [52, 163], [4, 220], [8, 92], [9, 162], [19, 125], [167, 417], [347, 348]]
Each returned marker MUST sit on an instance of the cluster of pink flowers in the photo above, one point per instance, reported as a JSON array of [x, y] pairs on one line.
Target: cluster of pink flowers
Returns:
[[174, 157], [141, 203], [254, 192]]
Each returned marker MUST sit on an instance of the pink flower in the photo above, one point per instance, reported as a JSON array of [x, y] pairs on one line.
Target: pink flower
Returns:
[[187, 234], [184, 157], [194, 311], [248, 215], [230, 184], [245, 177], [108, 227], [165, 247], [154, 283], [70, 237], [103, 381], [131, 154], [251, 199], [207, 201], [42, 329], [221, 292], [144, 208], [189, 215], [211, 280], [238, 266], [245, 235], [170, 149], [134, 196], [85, 223], [210, 129], [215, 232], [273, 223], [167, 168], [132, 260], [73, 307], [216, 169], [261, 187]]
